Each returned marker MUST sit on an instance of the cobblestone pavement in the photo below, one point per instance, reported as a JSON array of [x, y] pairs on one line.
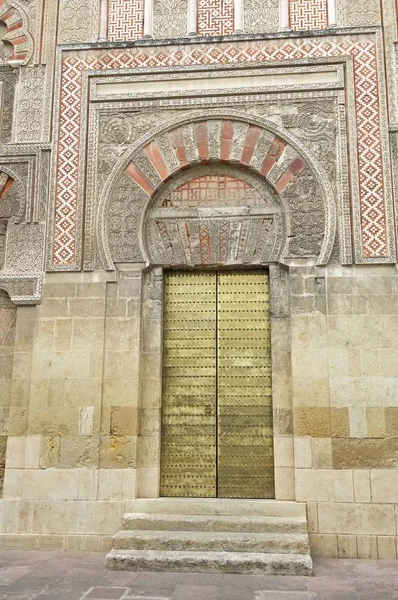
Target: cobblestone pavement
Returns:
[[78, 576]]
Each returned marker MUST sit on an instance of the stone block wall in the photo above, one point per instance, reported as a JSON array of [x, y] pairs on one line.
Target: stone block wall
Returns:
[[7, 341], [73, 423], [345, 405], [84, 381]]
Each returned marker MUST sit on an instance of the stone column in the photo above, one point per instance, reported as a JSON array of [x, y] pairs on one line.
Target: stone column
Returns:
[[238, 16], [332, 20], [192, 17], [284, 22], [148, 18], [103, 21], [148, 442]]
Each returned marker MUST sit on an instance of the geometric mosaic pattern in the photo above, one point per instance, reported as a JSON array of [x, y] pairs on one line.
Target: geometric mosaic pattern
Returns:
[[308, 14], [215, 17], [125, 20], [369, 152], [366, 96]]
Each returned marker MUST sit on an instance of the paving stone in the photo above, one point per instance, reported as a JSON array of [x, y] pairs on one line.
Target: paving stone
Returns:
[[10, 574], [196, 592], [76, 576], [278, 595], [146, 598], [106, 593], [259, 582], [335, 596], [236, 594]]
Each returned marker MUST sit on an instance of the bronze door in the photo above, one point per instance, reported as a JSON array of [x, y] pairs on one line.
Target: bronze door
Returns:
[[217, 412]]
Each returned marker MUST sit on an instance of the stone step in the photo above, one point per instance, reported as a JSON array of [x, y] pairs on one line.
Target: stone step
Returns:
[[210, 562], [219, 506], [202, 541], [159, 522]]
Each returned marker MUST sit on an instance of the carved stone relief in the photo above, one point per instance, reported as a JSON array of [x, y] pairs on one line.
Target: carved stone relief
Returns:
[[285, 220], [77, 21], [21, 170], [30, 104], [44, 172], [215, 215], [12, 206], [22, 289], [7, 91], [307, 219], [366, 12], [3, 231], [125, 205], [118, 130], [6, 48], [261, 16], [170, 18], [25, 247], [313, 122], [12, 196]]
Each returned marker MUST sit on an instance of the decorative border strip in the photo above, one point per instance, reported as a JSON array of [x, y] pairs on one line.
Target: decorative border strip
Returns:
[[373, 219]]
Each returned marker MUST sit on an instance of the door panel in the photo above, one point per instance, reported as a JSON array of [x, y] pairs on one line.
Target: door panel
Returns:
[[217, 414], [245, 437], [189, 439]]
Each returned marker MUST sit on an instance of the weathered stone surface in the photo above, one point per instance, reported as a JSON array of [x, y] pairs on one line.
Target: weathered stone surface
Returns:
[[210, 541], [364, 453], [123, 421], [209, 562], [117, 452], [213, 536], [314, 421], [231, 523]]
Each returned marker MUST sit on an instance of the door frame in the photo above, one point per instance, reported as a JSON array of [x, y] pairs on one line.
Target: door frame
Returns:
[[151, 382]]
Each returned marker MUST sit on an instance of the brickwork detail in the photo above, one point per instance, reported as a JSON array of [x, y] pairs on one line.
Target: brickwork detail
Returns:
[[372, 206], [126, 20], [215, 17], [219, 190], [16, 35], [184, 225], [308, 14]]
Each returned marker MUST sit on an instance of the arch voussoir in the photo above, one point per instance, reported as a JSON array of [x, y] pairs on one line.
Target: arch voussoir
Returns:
[[265, 149], [17, 33]]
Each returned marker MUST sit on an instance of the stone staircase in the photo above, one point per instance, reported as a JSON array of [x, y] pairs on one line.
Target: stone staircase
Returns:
[[213, 536]]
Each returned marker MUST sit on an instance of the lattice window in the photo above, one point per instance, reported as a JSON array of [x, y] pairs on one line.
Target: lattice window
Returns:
[[215, 17], [308, 14], [126, 20]]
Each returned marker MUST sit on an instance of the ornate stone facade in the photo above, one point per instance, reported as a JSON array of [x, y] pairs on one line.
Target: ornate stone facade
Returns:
[[128, 147]]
